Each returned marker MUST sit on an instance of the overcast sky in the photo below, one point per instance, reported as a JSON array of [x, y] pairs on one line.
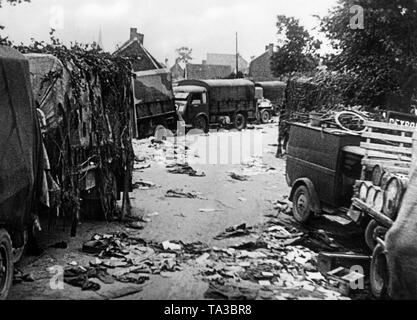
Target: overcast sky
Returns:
[[205, 26]]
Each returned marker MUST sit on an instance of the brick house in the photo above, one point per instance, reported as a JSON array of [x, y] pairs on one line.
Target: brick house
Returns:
[[207, 71], [260, 67], [228, 60], [134, 48]]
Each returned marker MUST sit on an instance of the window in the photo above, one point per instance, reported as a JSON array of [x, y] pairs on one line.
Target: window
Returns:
[[196, 99], [204, 97]]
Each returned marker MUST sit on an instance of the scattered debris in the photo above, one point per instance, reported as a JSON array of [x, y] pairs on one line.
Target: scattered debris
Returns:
[[233, 232], [144, 185], [20, 277], [179, 193], [94, 246], [154, 214], [203, 258], [238, 177], [231, 292], [171, 246], [185, 169], [137, 225], [60, 245], [209, 210]]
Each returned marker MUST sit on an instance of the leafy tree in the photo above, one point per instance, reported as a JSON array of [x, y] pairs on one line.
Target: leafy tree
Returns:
[[296, 51], [382, 56], [13, 2], [184, 54], [240, 75]]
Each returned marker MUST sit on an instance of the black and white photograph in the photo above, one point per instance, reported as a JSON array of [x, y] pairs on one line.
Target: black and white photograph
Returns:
[[221, 152]]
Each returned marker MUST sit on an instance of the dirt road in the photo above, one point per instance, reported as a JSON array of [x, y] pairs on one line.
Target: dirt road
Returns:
[[221, 191]]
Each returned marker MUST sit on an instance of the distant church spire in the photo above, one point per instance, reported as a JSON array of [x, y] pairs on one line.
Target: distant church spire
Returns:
[[100, 39]]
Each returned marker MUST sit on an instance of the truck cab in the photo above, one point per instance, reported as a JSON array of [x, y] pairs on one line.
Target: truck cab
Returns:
[[21, 163], [192, 105]]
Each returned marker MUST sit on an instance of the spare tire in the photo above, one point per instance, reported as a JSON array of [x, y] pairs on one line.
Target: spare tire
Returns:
[[369, 234], [379, 273]]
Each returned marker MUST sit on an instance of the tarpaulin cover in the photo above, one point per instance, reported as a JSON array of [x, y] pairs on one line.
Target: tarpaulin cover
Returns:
[[225, 90], [273, 91], [50, 82], [20, 141], [152, 86]]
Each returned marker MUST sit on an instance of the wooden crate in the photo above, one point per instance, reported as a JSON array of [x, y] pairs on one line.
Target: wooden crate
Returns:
[[387, 145]]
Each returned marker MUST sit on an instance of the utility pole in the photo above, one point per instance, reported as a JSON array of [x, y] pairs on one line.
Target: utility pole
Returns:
[[237, 56]]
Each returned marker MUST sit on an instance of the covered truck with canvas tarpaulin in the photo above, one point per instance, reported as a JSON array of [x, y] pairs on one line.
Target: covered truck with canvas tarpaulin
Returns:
[[86, 101], [154, 101], [21, 165]]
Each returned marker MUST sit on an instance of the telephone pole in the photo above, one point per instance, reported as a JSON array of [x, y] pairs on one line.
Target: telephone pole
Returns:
[[237, 56]]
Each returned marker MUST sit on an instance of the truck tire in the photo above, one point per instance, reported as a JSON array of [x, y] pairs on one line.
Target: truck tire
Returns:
[[6, 264], [301, 204], [379, 273], [201, 123], [369, 234], [240, 121], [265, 116], [160, 133]]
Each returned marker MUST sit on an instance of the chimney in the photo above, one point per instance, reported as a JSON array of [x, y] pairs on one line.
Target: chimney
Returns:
[[269, 47], [135, 35]]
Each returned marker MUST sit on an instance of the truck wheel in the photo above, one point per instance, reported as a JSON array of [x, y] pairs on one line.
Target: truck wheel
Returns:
[[240, 121], [6, 264], [160, 133], [369, 234], [265, 116], [379, 273], [201, 123], [301, 204]]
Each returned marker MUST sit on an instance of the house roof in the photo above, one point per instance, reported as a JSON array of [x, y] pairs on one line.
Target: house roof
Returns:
[[136, 41]]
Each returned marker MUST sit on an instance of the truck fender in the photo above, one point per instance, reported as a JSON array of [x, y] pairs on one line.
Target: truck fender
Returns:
[[202, 114], [315, 202]]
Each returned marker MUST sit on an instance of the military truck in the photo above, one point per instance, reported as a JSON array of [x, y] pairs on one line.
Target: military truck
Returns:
[[83, 138], [154, 104], [202, 103], [21, 165], [270, 96]]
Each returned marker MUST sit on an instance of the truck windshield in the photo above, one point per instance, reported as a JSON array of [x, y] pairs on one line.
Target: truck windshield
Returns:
[[181, 101], [181, 105], [181, 95]]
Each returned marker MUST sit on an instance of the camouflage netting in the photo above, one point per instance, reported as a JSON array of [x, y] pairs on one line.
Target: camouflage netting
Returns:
[[90, 126], [324, 91]]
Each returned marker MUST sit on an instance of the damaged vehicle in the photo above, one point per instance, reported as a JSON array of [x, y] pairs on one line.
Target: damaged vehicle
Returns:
[[21, 162], [87, 139]]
